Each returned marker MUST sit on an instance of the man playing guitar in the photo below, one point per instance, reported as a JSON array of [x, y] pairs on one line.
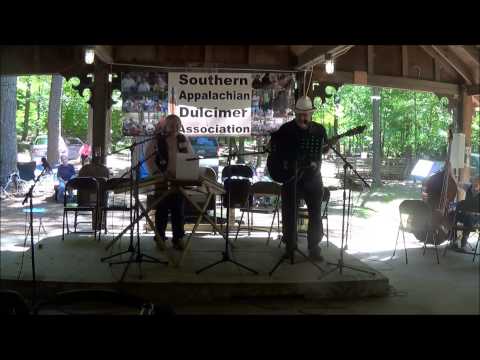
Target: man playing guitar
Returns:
[[287, 141]]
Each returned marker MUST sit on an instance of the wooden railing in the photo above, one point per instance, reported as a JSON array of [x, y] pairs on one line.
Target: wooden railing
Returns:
[[391, 169]]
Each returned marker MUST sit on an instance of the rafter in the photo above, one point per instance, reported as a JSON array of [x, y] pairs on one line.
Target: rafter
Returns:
[[472, 52], [454, 62], [316, 55], [398, 82], [104, 53]]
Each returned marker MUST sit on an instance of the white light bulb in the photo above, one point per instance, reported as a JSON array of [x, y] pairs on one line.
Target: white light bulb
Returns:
[[109, 77], [89, 56], [329, 67]]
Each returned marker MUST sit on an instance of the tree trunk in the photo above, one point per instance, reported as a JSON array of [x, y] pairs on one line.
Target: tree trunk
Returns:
[[39, 110], [54, 118], [26, 118], [8, 131], [377, 155]]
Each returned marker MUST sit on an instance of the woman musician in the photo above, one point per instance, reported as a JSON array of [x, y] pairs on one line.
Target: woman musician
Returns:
[[166, 145]]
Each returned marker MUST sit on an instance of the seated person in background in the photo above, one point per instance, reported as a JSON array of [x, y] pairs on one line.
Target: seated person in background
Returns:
[[470, 204], [95, 169], [64, 173], [85, 151], [165, 146]]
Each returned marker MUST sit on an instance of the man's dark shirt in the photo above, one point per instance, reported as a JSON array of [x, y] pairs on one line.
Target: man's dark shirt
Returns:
[[297, 143], [65, 172]]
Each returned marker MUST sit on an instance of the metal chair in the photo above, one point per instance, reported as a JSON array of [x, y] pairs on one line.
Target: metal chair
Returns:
[[200, 198], [26, 170], [416, 218], [88, 199], [262, 188], [238, 180]]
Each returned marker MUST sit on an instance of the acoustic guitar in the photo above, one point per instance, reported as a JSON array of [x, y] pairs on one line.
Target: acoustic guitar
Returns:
[[280, 168]]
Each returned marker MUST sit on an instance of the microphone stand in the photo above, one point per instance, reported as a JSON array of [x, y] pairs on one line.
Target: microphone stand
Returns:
[[290, 255], [340, 264], [226, 254], [134, 250], [29, 195]]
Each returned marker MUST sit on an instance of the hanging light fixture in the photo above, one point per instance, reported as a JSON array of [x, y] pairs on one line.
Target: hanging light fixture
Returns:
[[89, 55], [329, 64]]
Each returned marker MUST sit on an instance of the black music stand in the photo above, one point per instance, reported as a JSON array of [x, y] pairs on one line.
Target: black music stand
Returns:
[[310, 148], [136, 255], [226, 254], [340, 264]]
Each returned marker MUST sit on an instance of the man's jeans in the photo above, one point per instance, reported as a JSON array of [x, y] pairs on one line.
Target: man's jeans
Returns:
[[311, 190]]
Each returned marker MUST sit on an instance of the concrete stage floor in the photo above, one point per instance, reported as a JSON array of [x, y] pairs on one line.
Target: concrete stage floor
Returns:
[[75, 263]]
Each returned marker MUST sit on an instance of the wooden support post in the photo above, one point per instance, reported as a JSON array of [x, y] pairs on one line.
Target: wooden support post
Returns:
[[100, 97], [108, 131], [371, 59], [404, 61], [90, 126], [467, 118], [436, 65]]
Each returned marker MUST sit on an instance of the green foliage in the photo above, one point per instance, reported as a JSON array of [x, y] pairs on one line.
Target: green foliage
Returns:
[[38, 114], [476, 133], [412, 123], [74, 111]]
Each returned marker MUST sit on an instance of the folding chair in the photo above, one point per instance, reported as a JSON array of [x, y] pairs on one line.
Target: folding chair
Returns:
[[26, 170], [87, 191], [262, 188], [237, 179], [416, 218]]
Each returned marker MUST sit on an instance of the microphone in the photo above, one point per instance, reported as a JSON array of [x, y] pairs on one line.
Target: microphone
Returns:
[[46, 165]]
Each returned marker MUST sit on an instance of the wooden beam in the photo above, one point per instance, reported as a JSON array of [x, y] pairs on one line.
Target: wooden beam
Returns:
[[404, 61], [439, 60], [316, 55], [104, 53], [471, 51], [473, 89], [436, 67], [476, 102], [397, 82], [208, 54], [459, 67], [251, 55], [371, 59]]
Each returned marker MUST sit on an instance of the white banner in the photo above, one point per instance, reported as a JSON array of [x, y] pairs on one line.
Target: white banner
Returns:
[[212, 104]]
